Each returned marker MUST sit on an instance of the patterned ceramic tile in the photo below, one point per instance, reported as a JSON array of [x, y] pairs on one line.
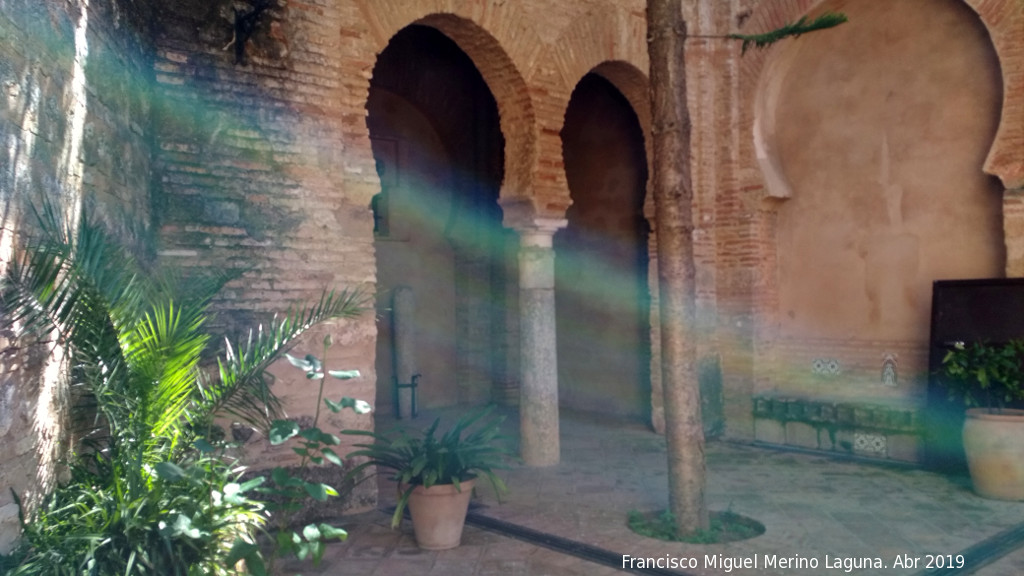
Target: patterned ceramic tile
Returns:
[[869, 443], [826, 366]]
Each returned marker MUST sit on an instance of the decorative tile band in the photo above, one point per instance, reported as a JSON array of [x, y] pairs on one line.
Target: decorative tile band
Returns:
[[838, 415]]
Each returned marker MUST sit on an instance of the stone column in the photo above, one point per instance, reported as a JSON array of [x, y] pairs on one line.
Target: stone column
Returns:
[[538, 398]]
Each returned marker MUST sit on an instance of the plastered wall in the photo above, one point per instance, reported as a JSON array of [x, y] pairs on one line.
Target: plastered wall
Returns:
[[415, 253], [849, 361], [882, 127]]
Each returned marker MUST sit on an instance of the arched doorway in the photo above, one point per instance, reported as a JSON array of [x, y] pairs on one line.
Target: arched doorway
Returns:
[[601, 292], [439, 150]]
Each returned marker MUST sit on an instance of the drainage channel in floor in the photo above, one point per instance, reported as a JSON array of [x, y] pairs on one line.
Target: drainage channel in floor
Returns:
[[975, 557], [563, 545], [982, 554], [553, 542]]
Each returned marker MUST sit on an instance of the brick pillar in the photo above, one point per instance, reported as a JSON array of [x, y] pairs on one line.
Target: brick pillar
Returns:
[[1013, 232], [538, 400]]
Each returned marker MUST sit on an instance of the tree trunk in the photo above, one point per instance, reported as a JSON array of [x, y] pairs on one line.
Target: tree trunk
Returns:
[[673, 197]]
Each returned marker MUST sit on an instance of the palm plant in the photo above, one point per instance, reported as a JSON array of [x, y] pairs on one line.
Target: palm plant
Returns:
[[472, 447], [149, 493]]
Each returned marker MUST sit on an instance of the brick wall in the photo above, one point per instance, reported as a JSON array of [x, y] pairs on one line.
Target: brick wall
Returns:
[[265, 167], [74, 115], [531, 55]]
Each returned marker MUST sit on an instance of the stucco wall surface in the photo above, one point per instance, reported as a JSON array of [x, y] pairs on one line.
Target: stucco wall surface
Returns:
[[937, 118], [882, 127]]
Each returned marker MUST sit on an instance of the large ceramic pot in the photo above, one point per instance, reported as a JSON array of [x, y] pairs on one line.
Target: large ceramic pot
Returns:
[[994, 446], [439, 513]]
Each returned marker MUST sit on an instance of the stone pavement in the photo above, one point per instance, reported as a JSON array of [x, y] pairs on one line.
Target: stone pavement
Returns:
[[815, 509]]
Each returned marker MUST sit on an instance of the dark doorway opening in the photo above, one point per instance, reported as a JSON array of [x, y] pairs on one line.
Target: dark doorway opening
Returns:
[[602, 297], [439, 150]]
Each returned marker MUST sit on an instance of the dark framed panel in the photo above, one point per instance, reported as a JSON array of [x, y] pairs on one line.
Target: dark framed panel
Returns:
[[983, 310]]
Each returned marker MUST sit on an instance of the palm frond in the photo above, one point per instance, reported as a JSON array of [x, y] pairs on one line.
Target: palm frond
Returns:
[[801, 26], [164, 351], [135, 342], [63, 286], [243, 389]]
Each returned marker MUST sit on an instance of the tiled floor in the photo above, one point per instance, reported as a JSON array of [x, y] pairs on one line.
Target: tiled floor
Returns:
[[813, 508]]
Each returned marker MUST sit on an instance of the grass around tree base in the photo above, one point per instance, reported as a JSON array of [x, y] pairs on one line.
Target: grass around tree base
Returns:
[[725, 527]]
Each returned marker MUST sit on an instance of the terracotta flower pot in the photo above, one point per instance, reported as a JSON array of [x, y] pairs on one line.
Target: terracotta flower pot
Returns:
[[439, 513], [994, 445]]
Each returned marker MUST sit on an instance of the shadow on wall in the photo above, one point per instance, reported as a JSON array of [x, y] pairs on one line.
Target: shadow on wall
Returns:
[[70, 132], [709, 376]]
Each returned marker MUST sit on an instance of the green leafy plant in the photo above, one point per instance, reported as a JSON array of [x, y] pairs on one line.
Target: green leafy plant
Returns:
[[472, 447], [726, 526], [984, 374], [151, 489], [185, 523], [794, 29], [290, 491]]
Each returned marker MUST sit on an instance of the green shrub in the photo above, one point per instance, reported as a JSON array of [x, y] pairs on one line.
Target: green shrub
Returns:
[[472, 447], [151, 489], [983, 374]]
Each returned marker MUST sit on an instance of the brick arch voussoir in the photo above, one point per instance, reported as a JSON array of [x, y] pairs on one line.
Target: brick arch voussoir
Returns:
[[633, 84], [602, 35], [499, 56], [609, 41], [635, 87], [1005, 24], [767, 15]]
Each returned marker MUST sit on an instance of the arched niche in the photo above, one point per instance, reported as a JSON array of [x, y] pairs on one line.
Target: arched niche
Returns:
[[875, 134]]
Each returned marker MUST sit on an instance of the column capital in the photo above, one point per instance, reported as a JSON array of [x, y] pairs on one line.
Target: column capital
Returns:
[[534, 227], [538, 232]]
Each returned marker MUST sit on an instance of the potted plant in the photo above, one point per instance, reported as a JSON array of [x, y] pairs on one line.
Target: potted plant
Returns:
[[987, 378], [436, 475]]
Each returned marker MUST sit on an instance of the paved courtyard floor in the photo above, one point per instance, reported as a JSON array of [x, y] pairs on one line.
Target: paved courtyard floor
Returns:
[[816, 509]]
